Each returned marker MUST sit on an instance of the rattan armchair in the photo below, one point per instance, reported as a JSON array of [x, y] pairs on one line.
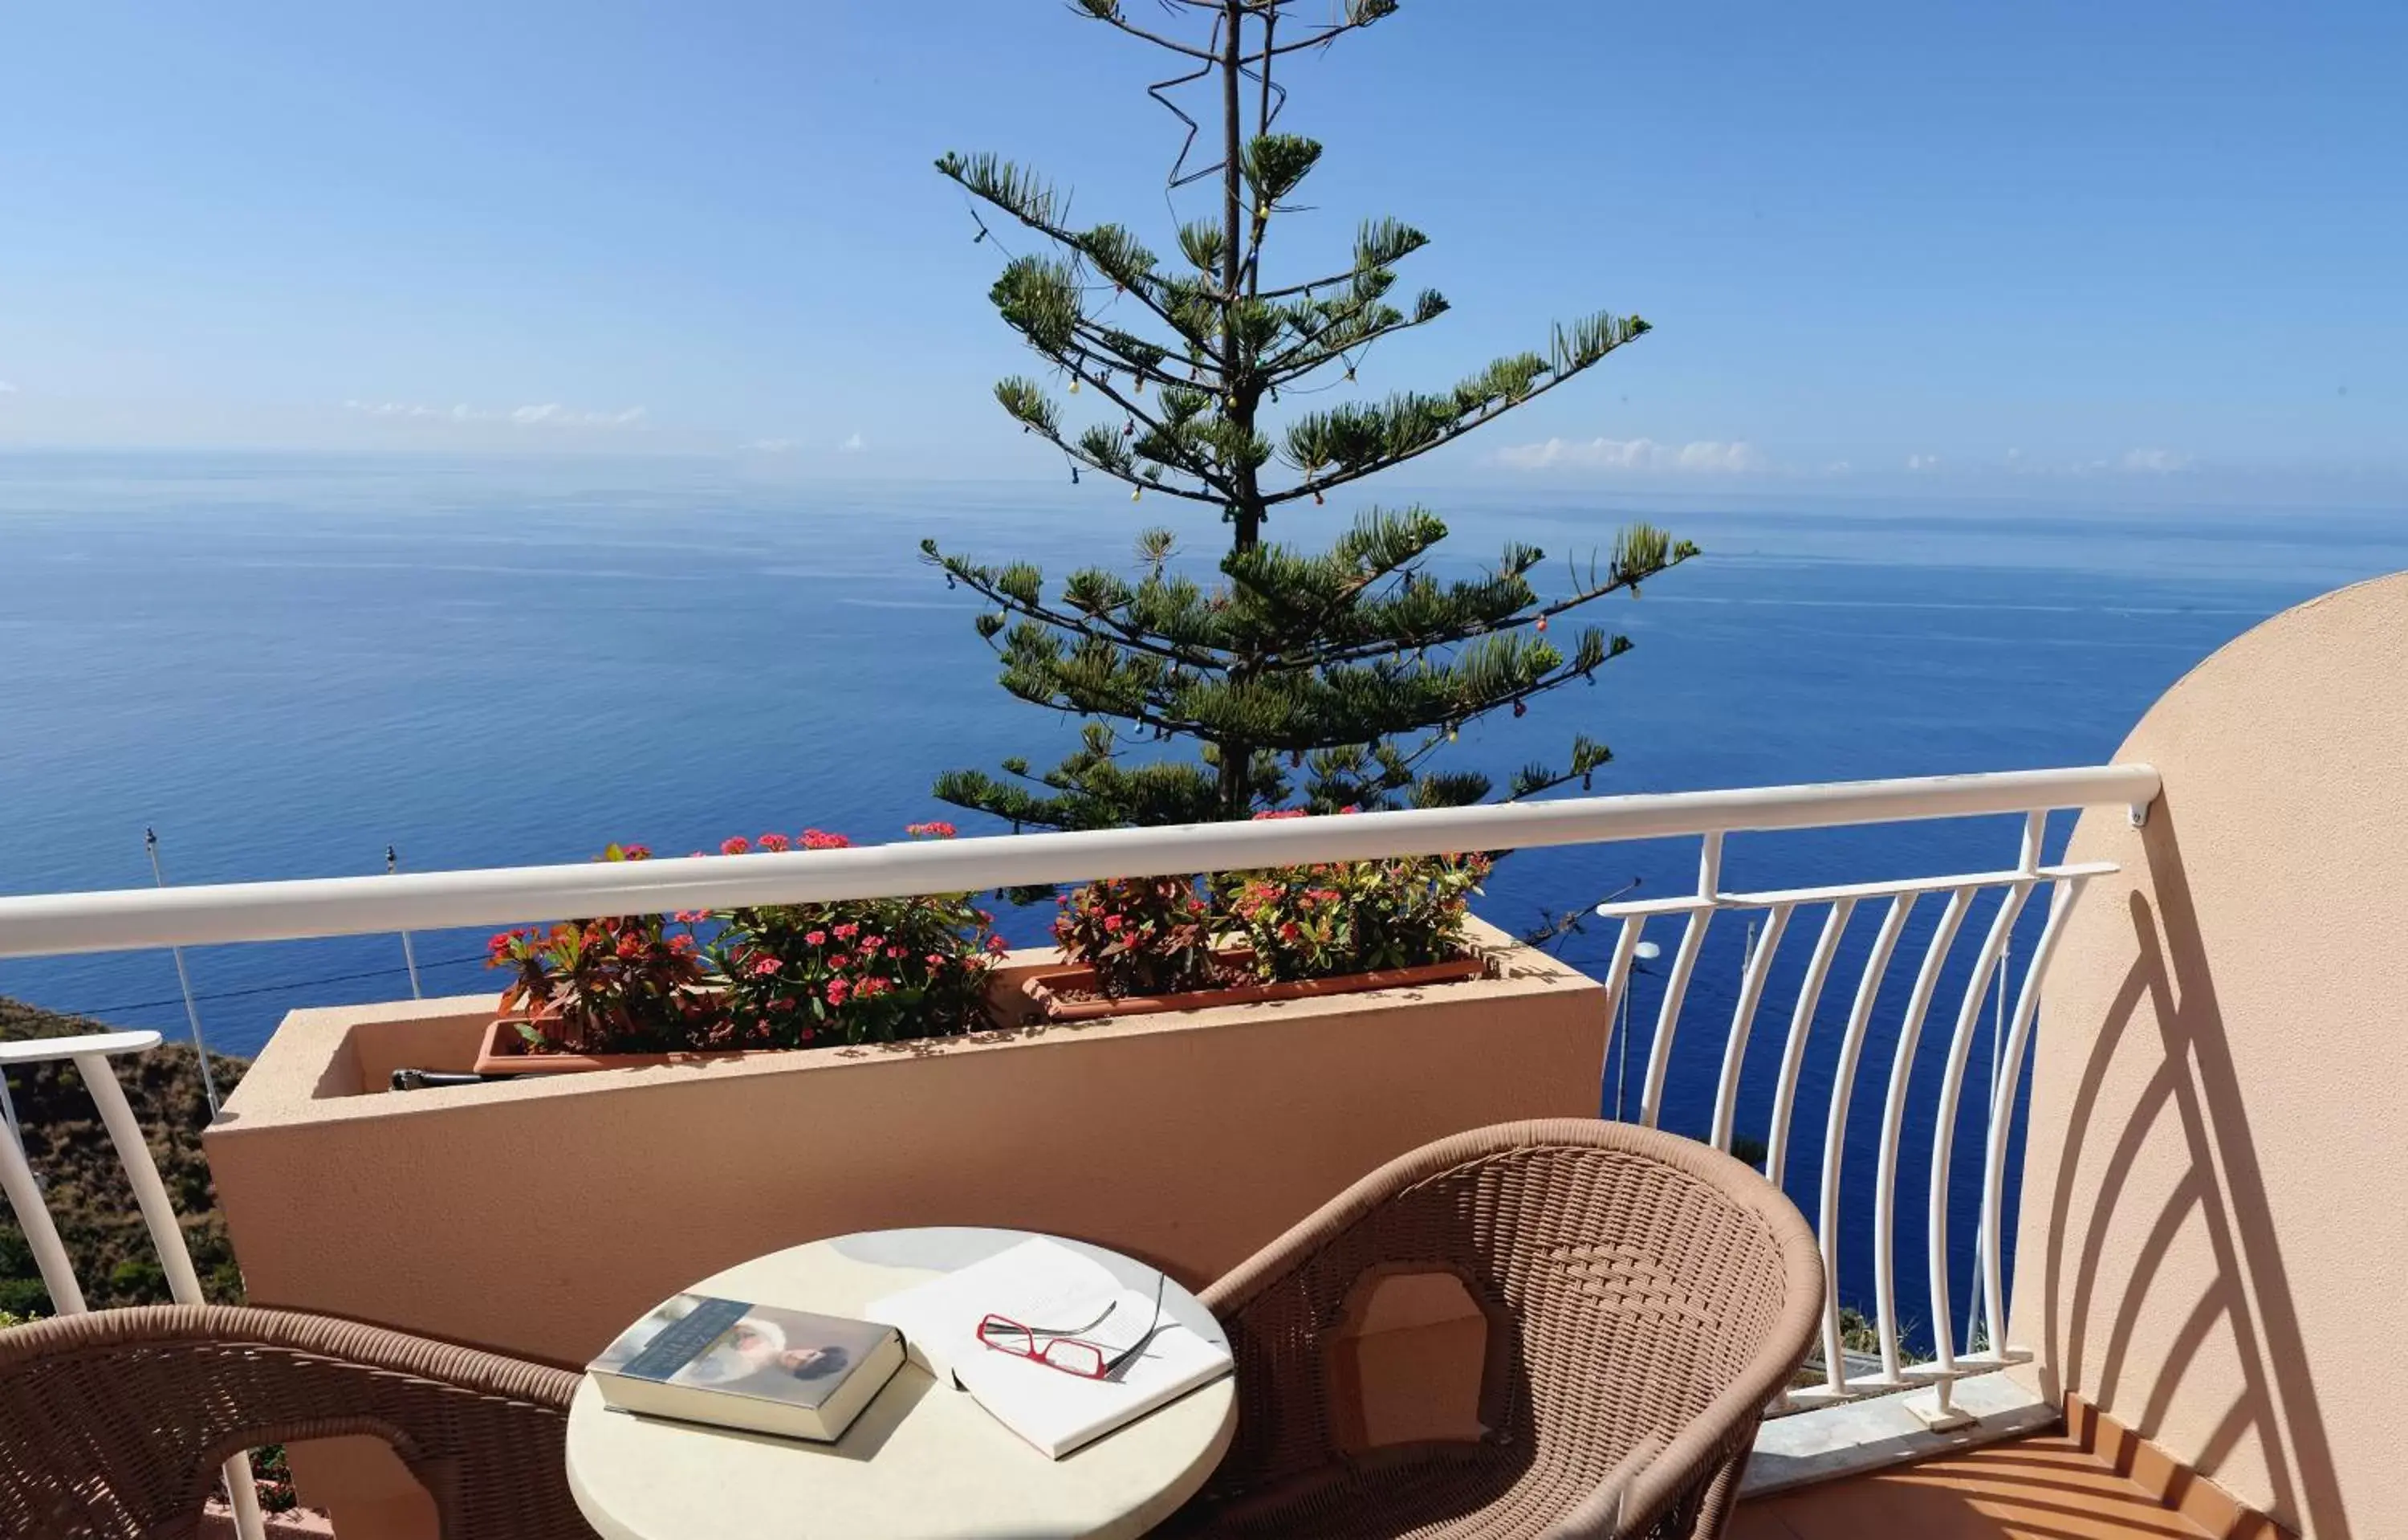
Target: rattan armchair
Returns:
[[113, 1424], [1647, 1298]]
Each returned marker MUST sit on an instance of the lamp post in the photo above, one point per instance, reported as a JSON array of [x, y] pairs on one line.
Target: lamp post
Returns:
[[1645, 952]]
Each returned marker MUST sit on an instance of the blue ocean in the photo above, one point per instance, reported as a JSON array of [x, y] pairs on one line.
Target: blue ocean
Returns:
[[285, 665]]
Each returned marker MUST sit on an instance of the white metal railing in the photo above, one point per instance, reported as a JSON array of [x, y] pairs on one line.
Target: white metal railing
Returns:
[[137, 918], [91, 1055], [1839, 903], [279, 911]]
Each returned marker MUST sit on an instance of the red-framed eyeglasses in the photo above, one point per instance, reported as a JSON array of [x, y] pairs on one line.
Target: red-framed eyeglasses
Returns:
[[1062, 1348]]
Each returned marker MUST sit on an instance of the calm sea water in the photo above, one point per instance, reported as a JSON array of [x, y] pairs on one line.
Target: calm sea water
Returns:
[[285, 665]]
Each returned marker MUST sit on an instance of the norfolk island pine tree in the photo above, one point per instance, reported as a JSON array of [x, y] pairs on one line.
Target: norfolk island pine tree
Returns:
[[1321, 679]]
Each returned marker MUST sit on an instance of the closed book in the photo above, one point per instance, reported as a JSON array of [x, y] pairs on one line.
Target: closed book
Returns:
[[732, 1363], [1058, 1294]]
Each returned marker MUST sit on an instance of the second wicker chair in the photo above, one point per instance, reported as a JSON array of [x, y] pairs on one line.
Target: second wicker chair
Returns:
[[1647, 1298], [114, 1424]]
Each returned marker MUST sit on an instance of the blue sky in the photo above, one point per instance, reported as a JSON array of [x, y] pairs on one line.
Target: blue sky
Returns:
[[2043, 246]]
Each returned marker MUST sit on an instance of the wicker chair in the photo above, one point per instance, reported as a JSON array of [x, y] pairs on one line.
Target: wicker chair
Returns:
[[115, 1423], [1647, 1298]]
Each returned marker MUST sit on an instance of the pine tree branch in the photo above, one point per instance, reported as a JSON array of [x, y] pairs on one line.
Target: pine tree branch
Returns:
[[1109, 11], [1365, 651], [1220, 488], [1488, 412], [1100, 338], [994, 181], [978, 580], [1283, 368]]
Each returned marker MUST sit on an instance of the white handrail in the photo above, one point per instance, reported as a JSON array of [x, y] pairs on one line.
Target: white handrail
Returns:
[[132, 918]]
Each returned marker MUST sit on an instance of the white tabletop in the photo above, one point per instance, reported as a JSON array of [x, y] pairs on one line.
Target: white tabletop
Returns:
[[923, 1461]]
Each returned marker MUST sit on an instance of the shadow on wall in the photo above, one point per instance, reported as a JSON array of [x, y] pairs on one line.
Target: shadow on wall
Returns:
[[2246, 1289]]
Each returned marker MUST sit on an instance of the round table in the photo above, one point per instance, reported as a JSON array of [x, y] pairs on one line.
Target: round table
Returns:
[[923, 1461]]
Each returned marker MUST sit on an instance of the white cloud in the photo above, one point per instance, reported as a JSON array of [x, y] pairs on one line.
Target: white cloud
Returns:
[[7, 389], [2158, 460], [1705, 456], [550, 415], [772, 446], [1923, 462], [853, 445]]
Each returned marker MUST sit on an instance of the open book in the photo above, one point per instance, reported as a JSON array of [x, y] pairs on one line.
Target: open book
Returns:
[[1042, 1283]]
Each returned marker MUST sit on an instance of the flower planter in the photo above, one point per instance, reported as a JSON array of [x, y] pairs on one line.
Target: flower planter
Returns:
[[1072, 994], [1190, 1138], [502, 1051]]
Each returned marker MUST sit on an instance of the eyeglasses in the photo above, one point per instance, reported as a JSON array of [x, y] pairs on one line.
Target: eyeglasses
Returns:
[[1064, 1348]]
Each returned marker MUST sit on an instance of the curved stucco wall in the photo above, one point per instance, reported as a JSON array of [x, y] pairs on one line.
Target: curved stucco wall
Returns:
[[2213, 1240]]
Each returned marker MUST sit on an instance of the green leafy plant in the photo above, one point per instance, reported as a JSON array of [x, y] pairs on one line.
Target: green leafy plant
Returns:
[[861, 971], [1331, 918], [622, 985], [1141, 935], [1330, 670]]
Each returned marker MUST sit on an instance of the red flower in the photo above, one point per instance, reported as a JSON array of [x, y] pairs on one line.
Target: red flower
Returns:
[[636, 853], [783, 1003], [815, 937], [1113, 922], [764, 966], [936, 959], [938, 829], [871, 988], [871, 943], [840, 962], [836, 990], [499, 947], [735, 844], [997, 945], [1278, 812], [846, 932], [814, 839], [681, 944], [775, 843]]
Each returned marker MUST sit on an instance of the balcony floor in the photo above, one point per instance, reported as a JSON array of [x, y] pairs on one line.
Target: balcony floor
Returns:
[[2048, 1488]]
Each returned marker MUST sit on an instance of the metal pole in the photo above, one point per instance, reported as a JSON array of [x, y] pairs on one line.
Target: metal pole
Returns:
[[184, 984], [1622, 1039], [409, 953]]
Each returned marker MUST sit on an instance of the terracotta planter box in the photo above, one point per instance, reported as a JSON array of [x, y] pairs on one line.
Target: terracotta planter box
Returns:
[[1188, 1138], [1072, 994]]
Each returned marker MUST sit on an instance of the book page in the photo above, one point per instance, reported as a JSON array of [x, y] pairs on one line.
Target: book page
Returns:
[[1056, 1292]]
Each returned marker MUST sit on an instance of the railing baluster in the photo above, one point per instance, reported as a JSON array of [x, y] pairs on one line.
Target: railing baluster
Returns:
[[1684, 962], [1743, 1021], [1960, 1048], [1801, 1023], [2062, 894], [41, 1232], [1835, 1134], [1952, 1085], [1901, 1069], [1617, 981]]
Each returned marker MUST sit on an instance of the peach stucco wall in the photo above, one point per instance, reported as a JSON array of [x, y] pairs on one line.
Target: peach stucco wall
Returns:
[[2214, 1244], [539, 1217]]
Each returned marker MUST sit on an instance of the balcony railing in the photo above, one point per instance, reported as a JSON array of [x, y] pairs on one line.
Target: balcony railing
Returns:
[[279, 911]]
